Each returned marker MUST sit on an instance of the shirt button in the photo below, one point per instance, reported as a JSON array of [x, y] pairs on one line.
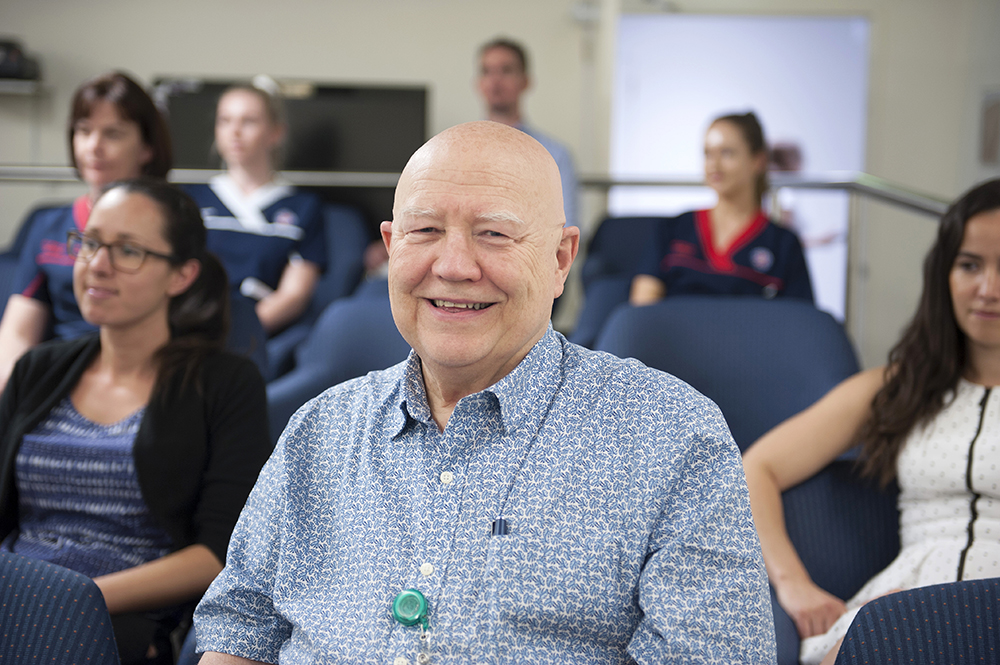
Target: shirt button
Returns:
[[427, 569], [400, 660], [447, 477]]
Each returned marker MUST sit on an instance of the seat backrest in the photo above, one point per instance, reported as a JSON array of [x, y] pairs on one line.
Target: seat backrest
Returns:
[[617, 246], [346, 240], [763, 361], [760, 360], [49, 614], [8, 266], [934, 625], [246, 334], [354, 336]]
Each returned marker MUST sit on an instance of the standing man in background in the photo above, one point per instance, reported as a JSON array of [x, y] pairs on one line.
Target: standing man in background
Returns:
[[503, 79]]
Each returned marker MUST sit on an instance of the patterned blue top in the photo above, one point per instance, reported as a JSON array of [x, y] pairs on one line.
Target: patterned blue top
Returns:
[[79, 496], [630, 535]]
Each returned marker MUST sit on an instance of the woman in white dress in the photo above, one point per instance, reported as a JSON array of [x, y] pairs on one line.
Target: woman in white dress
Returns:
[[930, 419]]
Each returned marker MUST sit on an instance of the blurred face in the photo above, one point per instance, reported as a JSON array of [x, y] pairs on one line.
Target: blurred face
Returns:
[[975, 282], [477, 253], [110, 297], [730, 168], [244, 133], [501, 80], [107, 147]]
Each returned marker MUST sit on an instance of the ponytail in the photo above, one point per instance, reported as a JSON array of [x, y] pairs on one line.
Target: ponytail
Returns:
[[199, 317], [753, 134]]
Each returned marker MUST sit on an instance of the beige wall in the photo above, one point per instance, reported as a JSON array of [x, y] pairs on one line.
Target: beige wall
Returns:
[[931, 61]]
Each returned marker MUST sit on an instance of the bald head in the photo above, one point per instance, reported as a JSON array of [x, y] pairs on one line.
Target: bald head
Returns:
[[488, 151], [478, 249]]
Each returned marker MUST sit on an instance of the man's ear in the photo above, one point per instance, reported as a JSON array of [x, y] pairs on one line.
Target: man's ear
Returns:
[[569, 245], [385, 228]]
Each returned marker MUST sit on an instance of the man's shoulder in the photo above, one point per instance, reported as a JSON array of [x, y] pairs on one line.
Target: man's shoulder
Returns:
[[551, 144], [350, 404], [640, 390]]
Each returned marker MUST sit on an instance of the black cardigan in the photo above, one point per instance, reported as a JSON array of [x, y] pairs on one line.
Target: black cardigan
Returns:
[[197, 452]]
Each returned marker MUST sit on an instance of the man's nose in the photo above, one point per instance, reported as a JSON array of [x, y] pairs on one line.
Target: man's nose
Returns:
[[457, 259]]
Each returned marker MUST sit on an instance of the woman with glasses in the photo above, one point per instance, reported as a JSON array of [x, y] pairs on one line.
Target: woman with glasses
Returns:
[[114, 132], [268, 235], [127, 454]]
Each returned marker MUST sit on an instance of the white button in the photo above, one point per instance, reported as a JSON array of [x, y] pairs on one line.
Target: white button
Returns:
[[400, 660], [447, 477], [427, 569]]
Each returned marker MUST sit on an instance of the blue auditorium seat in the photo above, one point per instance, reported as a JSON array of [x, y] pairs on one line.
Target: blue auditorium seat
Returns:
[[942, 624], [346, 240], [49, 614], [763, 361], [354, 336], [613, 255]]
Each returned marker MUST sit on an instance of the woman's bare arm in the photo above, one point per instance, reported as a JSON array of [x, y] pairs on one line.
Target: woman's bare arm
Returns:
[[22, 327], [291, 298], [179, 576], [790, 453], [646, 290]]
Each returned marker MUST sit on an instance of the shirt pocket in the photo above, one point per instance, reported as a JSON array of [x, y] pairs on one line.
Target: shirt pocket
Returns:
[[571, 586]]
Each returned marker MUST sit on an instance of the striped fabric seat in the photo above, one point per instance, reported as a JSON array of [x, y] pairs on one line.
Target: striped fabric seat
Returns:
[[49, 614], [942, 624]]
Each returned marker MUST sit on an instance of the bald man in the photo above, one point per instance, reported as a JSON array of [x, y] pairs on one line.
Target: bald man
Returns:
[[502, 496]]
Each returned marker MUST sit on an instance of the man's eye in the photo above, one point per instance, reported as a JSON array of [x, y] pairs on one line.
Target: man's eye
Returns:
[[89, 245], [495, 234]]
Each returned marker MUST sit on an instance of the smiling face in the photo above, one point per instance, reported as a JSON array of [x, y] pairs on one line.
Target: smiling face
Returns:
[[245, 134], [730, 168], [477, 251], [110, 297], [107, 147], [974, 281]]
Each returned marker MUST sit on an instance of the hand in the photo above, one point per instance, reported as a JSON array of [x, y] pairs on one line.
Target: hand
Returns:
[[811, 608]]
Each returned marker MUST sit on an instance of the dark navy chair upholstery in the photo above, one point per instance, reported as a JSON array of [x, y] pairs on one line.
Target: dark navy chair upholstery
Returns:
[[49, 614], [354, 336], [613, 256], [346, 240], [246, 334], [942, 624], [763, 361]]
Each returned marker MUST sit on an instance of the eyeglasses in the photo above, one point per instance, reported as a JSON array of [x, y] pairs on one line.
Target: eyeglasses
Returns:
[[124, 255]]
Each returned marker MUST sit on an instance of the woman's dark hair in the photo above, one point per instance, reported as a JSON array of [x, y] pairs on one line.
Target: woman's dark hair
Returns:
[[753, 134], [133, 104], [198, 317], [927, 362]]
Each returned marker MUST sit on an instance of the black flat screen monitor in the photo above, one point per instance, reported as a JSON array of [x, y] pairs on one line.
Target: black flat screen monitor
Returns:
[[330, 127]]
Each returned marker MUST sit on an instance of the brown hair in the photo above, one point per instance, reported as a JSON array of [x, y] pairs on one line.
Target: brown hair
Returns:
[[753, 134], [198, 317], [133, 104], [510, 45], [927, 362]]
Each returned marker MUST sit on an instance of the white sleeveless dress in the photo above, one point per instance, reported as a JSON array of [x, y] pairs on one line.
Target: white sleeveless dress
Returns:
[[949, 504]]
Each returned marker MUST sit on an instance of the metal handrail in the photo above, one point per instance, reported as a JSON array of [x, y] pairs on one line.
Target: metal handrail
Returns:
[[852, 181]]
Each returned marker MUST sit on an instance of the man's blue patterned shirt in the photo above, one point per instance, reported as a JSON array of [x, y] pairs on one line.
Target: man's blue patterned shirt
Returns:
[[629, 528]]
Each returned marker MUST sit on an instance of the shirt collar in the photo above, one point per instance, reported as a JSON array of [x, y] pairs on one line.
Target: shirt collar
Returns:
[[523, 395]]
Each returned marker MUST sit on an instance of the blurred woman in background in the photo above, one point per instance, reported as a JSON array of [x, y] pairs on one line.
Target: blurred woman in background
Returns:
[[127, 454], [269, 236], [115, 132], [731, 249]]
